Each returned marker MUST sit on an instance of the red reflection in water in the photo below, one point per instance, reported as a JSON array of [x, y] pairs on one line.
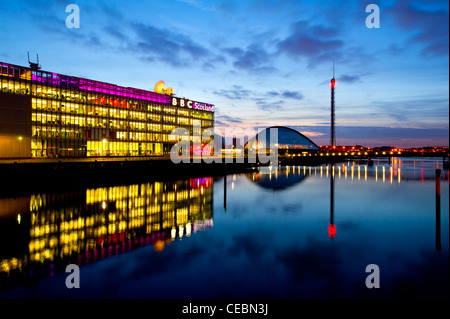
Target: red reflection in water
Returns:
[[332, 230], [198, 182]]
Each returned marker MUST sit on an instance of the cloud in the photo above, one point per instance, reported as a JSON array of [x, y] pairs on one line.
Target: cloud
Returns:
[[348, 78], [390, 132], [429, 26], [266, 101], [412, 110], [193, 3], [268, 105], [378, 136], [312, 134], [239, 93], [322, 268], [115, 33], [315, 43], [53, 27], [236, 93], [226, 8], [286, 94], [166, 46], [292, 95], [140, 40], [253, 59], [227, 118], [345, 78]]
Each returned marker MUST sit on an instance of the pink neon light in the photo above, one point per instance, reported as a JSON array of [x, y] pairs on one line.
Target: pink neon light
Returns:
[[94, 86], [70, 82]]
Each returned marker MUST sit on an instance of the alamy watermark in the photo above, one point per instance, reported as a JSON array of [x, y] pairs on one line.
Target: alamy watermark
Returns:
[[73, 279], [240, 146], [373, 19], [373, 280], [73, 19]]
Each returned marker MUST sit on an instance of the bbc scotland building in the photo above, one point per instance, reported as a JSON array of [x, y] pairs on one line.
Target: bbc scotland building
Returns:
[[49, 115]]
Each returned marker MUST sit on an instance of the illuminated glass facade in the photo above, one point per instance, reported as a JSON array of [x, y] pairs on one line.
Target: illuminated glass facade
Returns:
[[76, 117]]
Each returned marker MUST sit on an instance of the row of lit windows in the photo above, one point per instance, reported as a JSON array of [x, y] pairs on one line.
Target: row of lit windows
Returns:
[[45, 148], [56, 106], [52, 240], [39, 134], [53, 133], [109, 110], [53, 119], [43, 226], [137, 191], [42, 139], [95, 148], [97, 196], [40, 131], [102, 220], [58, 120], [66, 100], [53, 245], [137, 195], [10, 86], [152, 133], [76, 147]]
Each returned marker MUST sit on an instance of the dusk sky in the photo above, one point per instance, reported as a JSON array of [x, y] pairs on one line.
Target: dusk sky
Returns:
[[261, 63]]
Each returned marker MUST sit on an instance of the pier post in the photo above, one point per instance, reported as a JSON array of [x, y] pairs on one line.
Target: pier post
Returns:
[[225, 188], [438, 210]]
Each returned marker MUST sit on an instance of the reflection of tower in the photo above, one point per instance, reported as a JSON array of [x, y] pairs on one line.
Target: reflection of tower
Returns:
[[332, 137], [438, 210], [332, 226]]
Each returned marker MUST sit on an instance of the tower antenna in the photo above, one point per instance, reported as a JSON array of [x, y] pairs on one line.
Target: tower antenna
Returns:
[[33, 65], [332, 135], [333, 69]]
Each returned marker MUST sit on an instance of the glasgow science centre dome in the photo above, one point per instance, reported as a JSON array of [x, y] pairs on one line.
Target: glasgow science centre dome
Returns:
[[288, 139]]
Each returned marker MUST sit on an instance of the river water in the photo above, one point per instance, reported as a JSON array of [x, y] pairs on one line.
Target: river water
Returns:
[[347, 230]]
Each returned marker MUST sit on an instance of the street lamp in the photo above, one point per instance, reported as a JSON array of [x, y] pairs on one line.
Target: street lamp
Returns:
[[20, 140]]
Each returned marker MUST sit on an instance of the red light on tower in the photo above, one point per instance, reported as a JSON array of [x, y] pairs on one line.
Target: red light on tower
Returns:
[[333, 82]]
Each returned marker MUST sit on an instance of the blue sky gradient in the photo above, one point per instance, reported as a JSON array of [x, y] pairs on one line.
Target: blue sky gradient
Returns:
[[261, 63]]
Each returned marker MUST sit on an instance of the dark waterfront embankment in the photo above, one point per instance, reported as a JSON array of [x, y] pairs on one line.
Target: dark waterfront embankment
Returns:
[[23, 176]]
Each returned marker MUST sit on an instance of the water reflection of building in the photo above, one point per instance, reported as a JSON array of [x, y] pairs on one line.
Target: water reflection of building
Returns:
[[81, 227]]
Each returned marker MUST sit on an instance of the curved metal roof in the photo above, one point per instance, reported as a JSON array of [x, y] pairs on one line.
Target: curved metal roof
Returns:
[[286, 137]]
